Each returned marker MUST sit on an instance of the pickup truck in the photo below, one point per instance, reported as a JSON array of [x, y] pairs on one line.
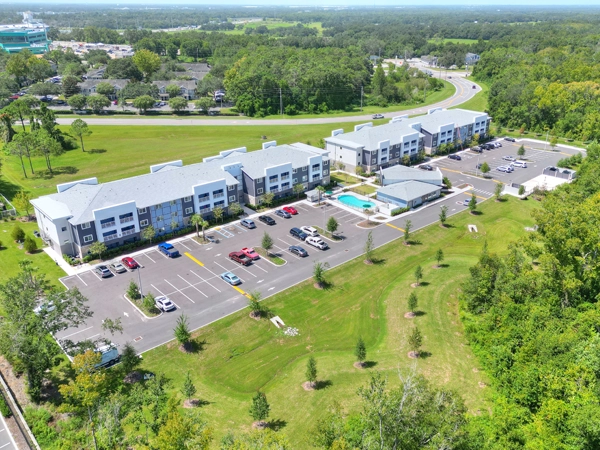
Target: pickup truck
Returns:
[[239, 257], [168, 250], [109, 355]]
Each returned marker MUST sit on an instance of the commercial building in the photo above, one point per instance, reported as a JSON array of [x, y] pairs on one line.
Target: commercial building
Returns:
[[408, 194], [115, 213], [30, 35], [399, 174]]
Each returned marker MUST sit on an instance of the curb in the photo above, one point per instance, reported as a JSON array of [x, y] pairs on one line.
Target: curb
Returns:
[[140, 311]]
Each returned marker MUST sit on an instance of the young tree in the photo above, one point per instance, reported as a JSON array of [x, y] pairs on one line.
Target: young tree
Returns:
[[218, 213], [178, 104], [475, 140], [188, 389], [418, 275], [332, 225], [204, 104], [446, 181], [77, 101], [521, 190], [143, 103], [368, 212], [198, 221], [521, 151], [147, 62], [149, 302], [98, 248], [407, 228], [369, 248], [267, 242], [319, 273], [254, 304], [21, 201], [79, 129], [485, 168], [360, 351], [235, 209], [97, 102], [17, 233], [498, 191], [439, 256], [298, 189], [473, 203], [105, 88], [173, 90], [267, 198], [148, 233], [29, 244], [129, 358], [311, 372], [443, 215], [133, 291], [47, 146], [182, 332], [415, 341], [259, 410], [553, 142], [413, 302]]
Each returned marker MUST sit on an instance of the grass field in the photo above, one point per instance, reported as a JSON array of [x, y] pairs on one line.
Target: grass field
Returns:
[[479, 102], [240, 355], [11, 254], [273, 23]]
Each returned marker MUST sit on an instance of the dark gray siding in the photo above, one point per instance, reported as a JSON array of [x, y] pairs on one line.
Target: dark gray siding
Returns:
[[81, 233], [146, 216], [186, 205]]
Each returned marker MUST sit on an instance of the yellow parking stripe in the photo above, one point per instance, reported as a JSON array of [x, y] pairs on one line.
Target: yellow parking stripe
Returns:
[[393, 226], [450, 170], [477, 196], [193, 259], [240, 291]]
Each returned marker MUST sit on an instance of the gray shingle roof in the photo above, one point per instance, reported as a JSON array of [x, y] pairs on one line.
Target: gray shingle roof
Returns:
[[370, 137], [408, 190], [459, 117], [403, 173], [186, 84], [88, 84]]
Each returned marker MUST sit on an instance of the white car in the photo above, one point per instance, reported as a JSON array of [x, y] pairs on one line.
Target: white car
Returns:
[[509, 158], [164, 303], [316, 241], [311, 231], [506, 169], [519, 164], [44, 308]]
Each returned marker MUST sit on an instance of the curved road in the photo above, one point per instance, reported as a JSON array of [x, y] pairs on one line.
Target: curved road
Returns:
[[464, 91]]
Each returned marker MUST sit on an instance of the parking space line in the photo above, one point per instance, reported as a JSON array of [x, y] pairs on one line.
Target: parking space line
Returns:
[[193, 259], [181, 242], [193, 286], [179, 290], [94, 272], [205, 281], [241, 267], [394, 226], [240, 291], [146, 255], [287, 251], [300, 207], [257, 266], [80, 331], [245, 230], [161, 293], [81, 279], [286, 243]]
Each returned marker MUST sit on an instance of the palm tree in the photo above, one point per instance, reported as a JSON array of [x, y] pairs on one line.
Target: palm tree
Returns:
[[198, 221], [321, 189]]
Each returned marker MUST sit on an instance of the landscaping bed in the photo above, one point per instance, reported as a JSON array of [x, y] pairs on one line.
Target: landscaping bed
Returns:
[[275, 259]]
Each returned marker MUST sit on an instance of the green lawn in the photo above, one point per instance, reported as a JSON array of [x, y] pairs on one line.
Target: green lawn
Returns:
[[479, 102], [343, 178], [240, 355], [364, 189], [10, 254]]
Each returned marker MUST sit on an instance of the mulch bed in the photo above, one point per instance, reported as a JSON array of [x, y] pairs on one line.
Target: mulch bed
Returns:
[[359, 365], [414, 285], [413, 355], [368, 262], [410, 315], [260, 425], [309, 386], [191, 403], [186, 348]]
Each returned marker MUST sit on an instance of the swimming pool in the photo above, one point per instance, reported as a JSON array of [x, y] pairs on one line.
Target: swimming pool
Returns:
[[355, 202]]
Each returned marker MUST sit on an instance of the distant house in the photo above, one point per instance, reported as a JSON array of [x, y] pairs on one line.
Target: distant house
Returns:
[[96, 74], [88, 87], [471, 59], [186, 88]]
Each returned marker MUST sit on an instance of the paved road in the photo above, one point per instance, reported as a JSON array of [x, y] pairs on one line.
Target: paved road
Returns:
[[464, 92], [6, 440]]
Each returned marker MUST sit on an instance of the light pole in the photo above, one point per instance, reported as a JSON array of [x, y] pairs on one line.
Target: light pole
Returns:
[[546, 142], [140, 281]]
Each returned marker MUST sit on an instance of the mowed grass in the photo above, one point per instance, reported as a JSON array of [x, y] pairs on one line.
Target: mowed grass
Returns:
[[240, 355], [11, 254], [479, 102], [115, 152]]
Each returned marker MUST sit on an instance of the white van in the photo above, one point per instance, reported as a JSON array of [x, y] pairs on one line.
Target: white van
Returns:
[[316, 241]]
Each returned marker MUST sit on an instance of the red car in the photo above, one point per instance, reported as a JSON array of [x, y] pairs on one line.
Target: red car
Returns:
[[250, 253], [130, 262], [239, 257], [290, 209]]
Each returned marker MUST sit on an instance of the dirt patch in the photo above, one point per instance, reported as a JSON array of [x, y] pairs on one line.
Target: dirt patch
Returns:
[[191, 403], [368, 262], [435, 266], [475, 369], [359, 365], [414, 285], [15, 382], [309, 386], [318, 286], [443, 225], [133, 377], [406, 244], [367, 224], [410, 315], [188, 347], [260, 425], [255, 315], [482, 384], [413, 355]]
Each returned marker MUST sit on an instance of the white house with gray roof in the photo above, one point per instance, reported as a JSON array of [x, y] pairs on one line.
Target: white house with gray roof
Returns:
[[85, 211], [187, 88], [408, 194], [88, 87]]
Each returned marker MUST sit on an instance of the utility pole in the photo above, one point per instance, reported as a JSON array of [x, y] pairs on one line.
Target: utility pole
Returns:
[[140, 281], [361, 98], [280, 102]]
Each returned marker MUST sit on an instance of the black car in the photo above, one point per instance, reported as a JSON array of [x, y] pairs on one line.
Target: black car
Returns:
[[456, 157], [509, 139], [425, 167], [297, 232], [297, 250], [266, 219]]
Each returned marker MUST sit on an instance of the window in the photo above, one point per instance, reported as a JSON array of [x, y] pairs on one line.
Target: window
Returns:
[[110, 235], [159, 218], [232, 198], [105, 223], [285, 186], [204, 197], [413, 142], [325, 172], [295, 180], [159, 206], [128, 230], [443, 133], [294, 171], [144, 223], [274, 188], [141, 210], [260, 180], [88, 238], [304, 178], [220, 203], [85, 226], [218, 193], [64, 228], [189, 210], [273, 178], [187, 199], [204, 209], [173, 202], [259, 191], [128, 217], [231, 188], [373, 161], [285, 176], [316, 167], [384, 159]]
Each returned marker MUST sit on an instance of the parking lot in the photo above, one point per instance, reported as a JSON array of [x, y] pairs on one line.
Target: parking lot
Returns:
[[192, 281]]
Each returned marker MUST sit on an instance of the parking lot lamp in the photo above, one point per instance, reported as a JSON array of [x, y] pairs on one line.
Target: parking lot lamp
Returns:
[[140, 281]]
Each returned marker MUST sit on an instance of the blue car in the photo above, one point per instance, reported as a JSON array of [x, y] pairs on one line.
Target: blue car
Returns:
[[168, 250], [231, 278]]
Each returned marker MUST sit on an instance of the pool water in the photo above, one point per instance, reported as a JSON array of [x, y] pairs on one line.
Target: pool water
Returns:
[[355, 202]]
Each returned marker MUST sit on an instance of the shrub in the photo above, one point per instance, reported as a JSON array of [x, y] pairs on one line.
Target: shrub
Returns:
[[4, 409], [17, 233], [29, 244], [400, 211], [133, 291], [0, 244], [38, 420]]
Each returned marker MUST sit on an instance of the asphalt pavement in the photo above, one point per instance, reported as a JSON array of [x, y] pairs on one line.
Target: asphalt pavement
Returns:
[[6, 440]]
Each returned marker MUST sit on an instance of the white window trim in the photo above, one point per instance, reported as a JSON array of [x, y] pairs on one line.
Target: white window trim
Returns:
[[231, 188], [259, 191], [187, 199], [325, 172], [85, 226], [294, 170], [232, 198], [189, 210], [304, 178], [295, 180], [88, 238], [141, 210], [144, 223]]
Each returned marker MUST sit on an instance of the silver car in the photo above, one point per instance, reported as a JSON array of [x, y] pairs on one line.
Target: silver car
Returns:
[[118, 267]]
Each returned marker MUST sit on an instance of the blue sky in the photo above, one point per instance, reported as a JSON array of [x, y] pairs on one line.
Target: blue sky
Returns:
[[498, 3]]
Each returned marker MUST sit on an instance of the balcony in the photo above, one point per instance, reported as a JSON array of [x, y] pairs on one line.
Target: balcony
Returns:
[[112, 237], [127, 219], [108, 224], [203, 199], [215, 196], [128, 232], [285, 177]]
